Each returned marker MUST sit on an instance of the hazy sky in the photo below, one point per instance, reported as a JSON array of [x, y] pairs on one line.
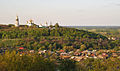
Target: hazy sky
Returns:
[[65, 12]]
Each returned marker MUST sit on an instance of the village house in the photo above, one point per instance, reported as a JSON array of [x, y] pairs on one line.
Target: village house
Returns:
[[100, 56], [112, 38], [42, 52], [77, 52], [78, 58], [32, 51], [114, 55], [103, 55], [64, 55]]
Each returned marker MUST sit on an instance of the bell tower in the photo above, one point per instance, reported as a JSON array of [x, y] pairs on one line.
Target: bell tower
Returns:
[[17, 22]]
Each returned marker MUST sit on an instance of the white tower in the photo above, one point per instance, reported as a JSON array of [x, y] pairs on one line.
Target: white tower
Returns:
[[17, 22]]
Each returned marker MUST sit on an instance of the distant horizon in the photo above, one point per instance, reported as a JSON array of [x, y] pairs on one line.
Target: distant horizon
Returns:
[[72, 25]]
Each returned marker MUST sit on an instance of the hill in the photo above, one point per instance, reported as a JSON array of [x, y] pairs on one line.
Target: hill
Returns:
[[52, 38]]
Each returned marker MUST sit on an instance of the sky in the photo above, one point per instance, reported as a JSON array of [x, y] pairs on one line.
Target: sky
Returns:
[[65, 12]]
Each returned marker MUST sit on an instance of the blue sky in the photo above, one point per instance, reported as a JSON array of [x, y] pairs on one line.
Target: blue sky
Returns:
[[65, 12]]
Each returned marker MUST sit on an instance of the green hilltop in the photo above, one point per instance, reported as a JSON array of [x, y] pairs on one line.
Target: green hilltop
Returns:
[[52, 38]]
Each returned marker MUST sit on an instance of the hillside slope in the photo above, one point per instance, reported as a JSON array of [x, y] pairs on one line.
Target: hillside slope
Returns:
[[45, 38]]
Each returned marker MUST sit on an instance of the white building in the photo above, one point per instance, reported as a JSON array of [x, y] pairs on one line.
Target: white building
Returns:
[[40, 25], [30, 23], [17, 22]]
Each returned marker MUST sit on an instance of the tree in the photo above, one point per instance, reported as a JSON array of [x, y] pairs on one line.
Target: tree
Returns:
[[82, 47], [56, 25], [50, 47], [67, 65], [68, 48], [57, 33], [51, 26], [10, 25]]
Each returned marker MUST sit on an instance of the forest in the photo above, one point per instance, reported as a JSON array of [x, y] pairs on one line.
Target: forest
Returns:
[[35, 38]]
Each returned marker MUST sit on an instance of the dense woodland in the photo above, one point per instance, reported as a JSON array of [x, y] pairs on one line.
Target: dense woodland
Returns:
[[57, 38]]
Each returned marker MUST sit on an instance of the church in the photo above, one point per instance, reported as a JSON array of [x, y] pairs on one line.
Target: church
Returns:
[[29, 23], [17, 22]]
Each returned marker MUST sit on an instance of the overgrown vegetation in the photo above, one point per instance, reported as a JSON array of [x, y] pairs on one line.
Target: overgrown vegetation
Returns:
[[12, 61]]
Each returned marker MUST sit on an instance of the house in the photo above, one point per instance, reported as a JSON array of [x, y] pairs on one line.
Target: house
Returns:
[[21, 55], [77, 54], [91, 55], [100, 56], [112, 38], [64, 53], [21, 48], [114, 55], [61, 51], [72, 57], [71, 52], [104, 54], [32, 51], [64, 57], [86, 51], [78, 58], [94, 51], [42, 52], [113, 51]]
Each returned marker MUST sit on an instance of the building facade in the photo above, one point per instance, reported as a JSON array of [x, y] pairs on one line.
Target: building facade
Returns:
[[17, 22]]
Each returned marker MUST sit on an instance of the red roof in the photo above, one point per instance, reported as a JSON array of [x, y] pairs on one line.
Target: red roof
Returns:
[[81, 52], [21, 48], [61, 50], [92, 55]]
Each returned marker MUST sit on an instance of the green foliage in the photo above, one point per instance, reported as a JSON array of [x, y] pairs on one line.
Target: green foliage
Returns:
[[58, 38], [11, 61], [82, 47], [56, 25], [68, 48], [111, 64], [67, 65], [10, 25], [33, 38]]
